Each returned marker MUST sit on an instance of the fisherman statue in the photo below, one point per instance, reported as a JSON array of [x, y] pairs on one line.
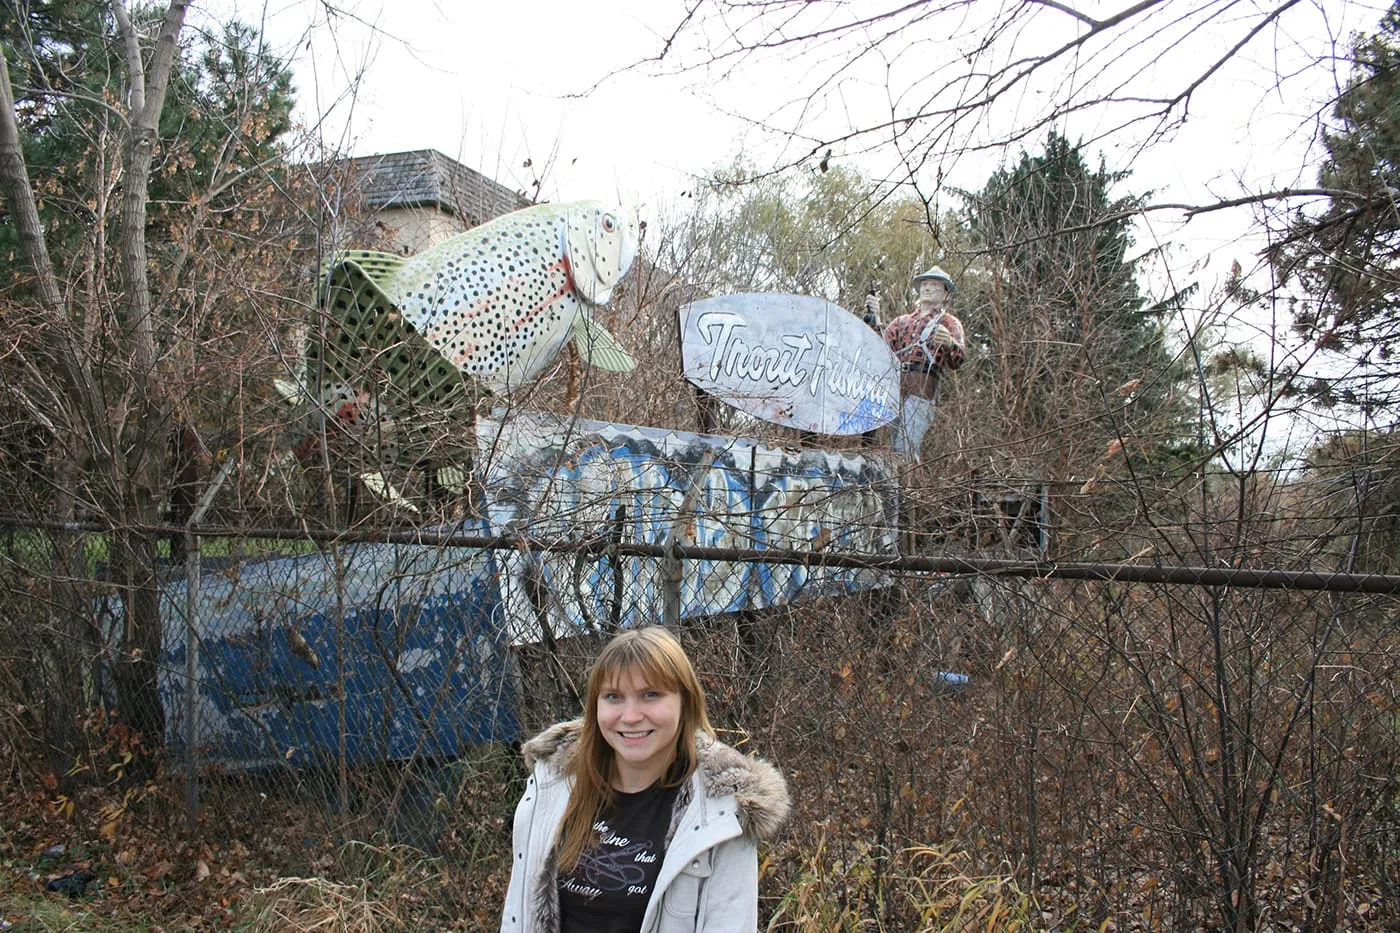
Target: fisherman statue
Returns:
[[926, 341]]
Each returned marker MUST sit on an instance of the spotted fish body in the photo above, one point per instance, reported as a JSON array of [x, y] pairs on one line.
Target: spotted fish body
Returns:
[[501, 300], [407, 345]]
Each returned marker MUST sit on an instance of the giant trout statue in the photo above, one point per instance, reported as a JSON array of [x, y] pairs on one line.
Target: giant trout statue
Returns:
[[486, 310]]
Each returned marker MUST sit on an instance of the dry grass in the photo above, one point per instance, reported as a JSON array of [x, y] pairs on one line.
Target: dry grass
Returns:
[[388, 887], [949, 897], [318, 904], [936, 885]]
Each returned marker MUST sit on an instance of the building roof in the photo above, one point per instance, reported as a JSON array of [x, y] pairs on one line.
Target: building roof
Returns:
[[427, 178]]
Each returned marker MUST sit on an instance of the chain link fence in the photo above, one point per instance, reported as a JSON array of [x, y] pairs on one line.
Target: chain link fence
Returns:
[[1147, 754]]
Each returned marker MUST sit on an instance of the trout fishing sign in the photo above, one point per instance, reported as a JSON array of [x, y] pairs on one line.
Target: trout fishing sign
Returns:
[[794, 360]]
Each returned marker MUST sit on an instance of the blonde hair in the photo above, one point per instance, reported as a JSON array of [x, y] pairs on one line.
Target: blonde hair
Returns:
[[657, 656]]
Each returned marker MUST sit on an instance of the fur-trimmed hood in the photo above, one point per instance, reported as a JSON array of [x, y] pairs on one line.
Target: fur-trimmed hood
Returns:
[[757, 786]]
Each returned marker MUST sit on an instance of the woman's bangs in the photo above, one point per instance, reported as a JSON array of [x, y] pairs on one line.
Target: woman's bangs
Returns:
[[655, 669]]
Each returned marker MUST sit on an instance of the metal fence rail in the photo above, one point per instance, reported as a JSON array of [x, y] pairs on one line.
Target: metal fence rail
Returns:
[[1117, 731]]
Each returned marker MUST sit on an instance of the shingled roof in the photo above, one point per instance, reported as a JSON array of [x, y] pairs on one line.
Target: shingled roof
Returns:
[[427, 178]]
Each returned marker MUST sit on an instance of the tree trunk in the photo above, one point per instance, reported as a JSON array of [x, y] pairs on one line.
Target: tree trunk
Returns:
[[135, 669], [60, 655], [126, 441], [142, 472]]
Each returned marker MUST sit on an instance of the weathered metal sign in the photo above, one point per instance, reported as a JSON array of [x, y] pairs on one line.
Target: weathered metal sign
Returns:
[[402, 649], [552, 478], [794, 360], [399, 645]]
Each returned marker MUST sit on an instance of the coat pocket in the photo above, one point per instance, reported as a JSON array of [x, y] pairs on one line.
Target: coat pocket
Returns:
[[681, 900]]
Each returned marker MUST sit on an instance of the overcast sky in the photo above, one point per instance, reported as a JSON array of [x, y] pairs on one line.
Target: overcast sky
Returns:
[[490, 85], [500, 85]]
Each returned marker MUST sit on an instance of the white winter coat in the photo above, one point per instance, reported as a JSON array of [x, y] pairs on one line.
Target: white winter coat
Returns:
[[709, 875]]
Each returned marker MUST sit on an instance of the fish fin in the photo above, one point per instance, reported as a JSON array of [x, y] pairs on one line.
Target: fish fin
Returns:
[[375, 265], [452, 479], [365, 339], [379, 484], [335, 272], [599, 347], [292, 392], [363, 324]]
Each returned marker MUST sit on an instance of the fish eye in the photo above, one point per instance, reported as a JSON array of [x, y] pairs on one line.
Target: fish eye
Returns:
[[609, 223]]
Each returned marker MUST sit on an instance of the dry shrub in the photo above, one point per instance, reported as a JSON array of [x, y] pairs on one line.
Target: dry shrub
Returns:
[[842, 693], [317, 904], [936, 885], [1142, 757], [388, 887]]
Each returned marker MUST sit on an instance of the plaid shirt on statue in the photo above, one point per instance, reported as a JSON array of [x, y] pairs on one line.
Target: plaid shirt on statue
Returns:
[[910, 336]]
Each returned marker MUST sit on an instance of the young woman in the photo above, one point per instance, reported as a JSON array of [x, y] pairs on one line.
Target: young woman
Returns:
[[635, 819]]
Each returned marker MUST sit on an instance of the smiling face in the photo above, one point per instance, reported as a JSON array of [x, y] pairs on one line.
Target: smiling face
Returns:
[[640, 722]]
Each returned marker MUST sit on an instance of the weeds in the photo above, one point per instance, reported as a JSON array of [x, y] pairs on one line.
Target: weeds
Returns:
[[393, 887], [949, 896], [935, 887]]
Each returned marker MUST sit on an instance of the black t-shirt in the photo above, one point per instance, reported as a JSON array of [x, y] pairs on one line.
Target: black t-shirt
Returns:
[[608, 890]]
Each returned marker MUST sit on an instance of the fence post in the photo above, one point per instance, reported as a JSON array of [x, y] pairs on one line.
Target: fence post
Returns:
[[672, 566], [192, 575], [192, 553], [619, 581]]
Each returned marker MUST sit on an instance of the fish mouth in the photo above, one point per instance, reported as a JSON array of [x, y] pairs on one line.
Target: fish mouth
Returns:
[[626, 255], [629, 243]]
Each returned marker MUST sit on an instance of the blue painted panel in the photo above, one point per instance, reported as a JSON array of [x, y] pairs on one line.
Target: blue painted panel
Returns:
[[410, 645], [412, 637]]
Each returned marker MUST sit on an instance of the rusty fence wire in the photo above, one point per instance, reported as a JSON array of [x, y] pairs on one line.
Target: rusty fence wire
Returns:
[[1122, 745]]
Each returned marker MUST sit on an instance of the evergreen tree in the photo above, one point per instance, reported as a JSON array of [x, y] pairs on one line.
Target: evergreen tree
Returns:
[[1075, 380], [1346, 259], [1060, 283], [227, 112]]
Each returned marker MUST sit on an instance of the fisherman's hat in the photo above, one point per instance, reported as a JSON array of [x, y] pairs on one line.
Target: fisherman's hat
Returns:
[[938, 275]]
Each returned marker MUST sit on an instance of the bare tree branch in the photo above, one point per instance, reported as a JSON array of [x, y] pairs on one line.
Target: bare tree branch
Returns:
[[1012, 73]]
